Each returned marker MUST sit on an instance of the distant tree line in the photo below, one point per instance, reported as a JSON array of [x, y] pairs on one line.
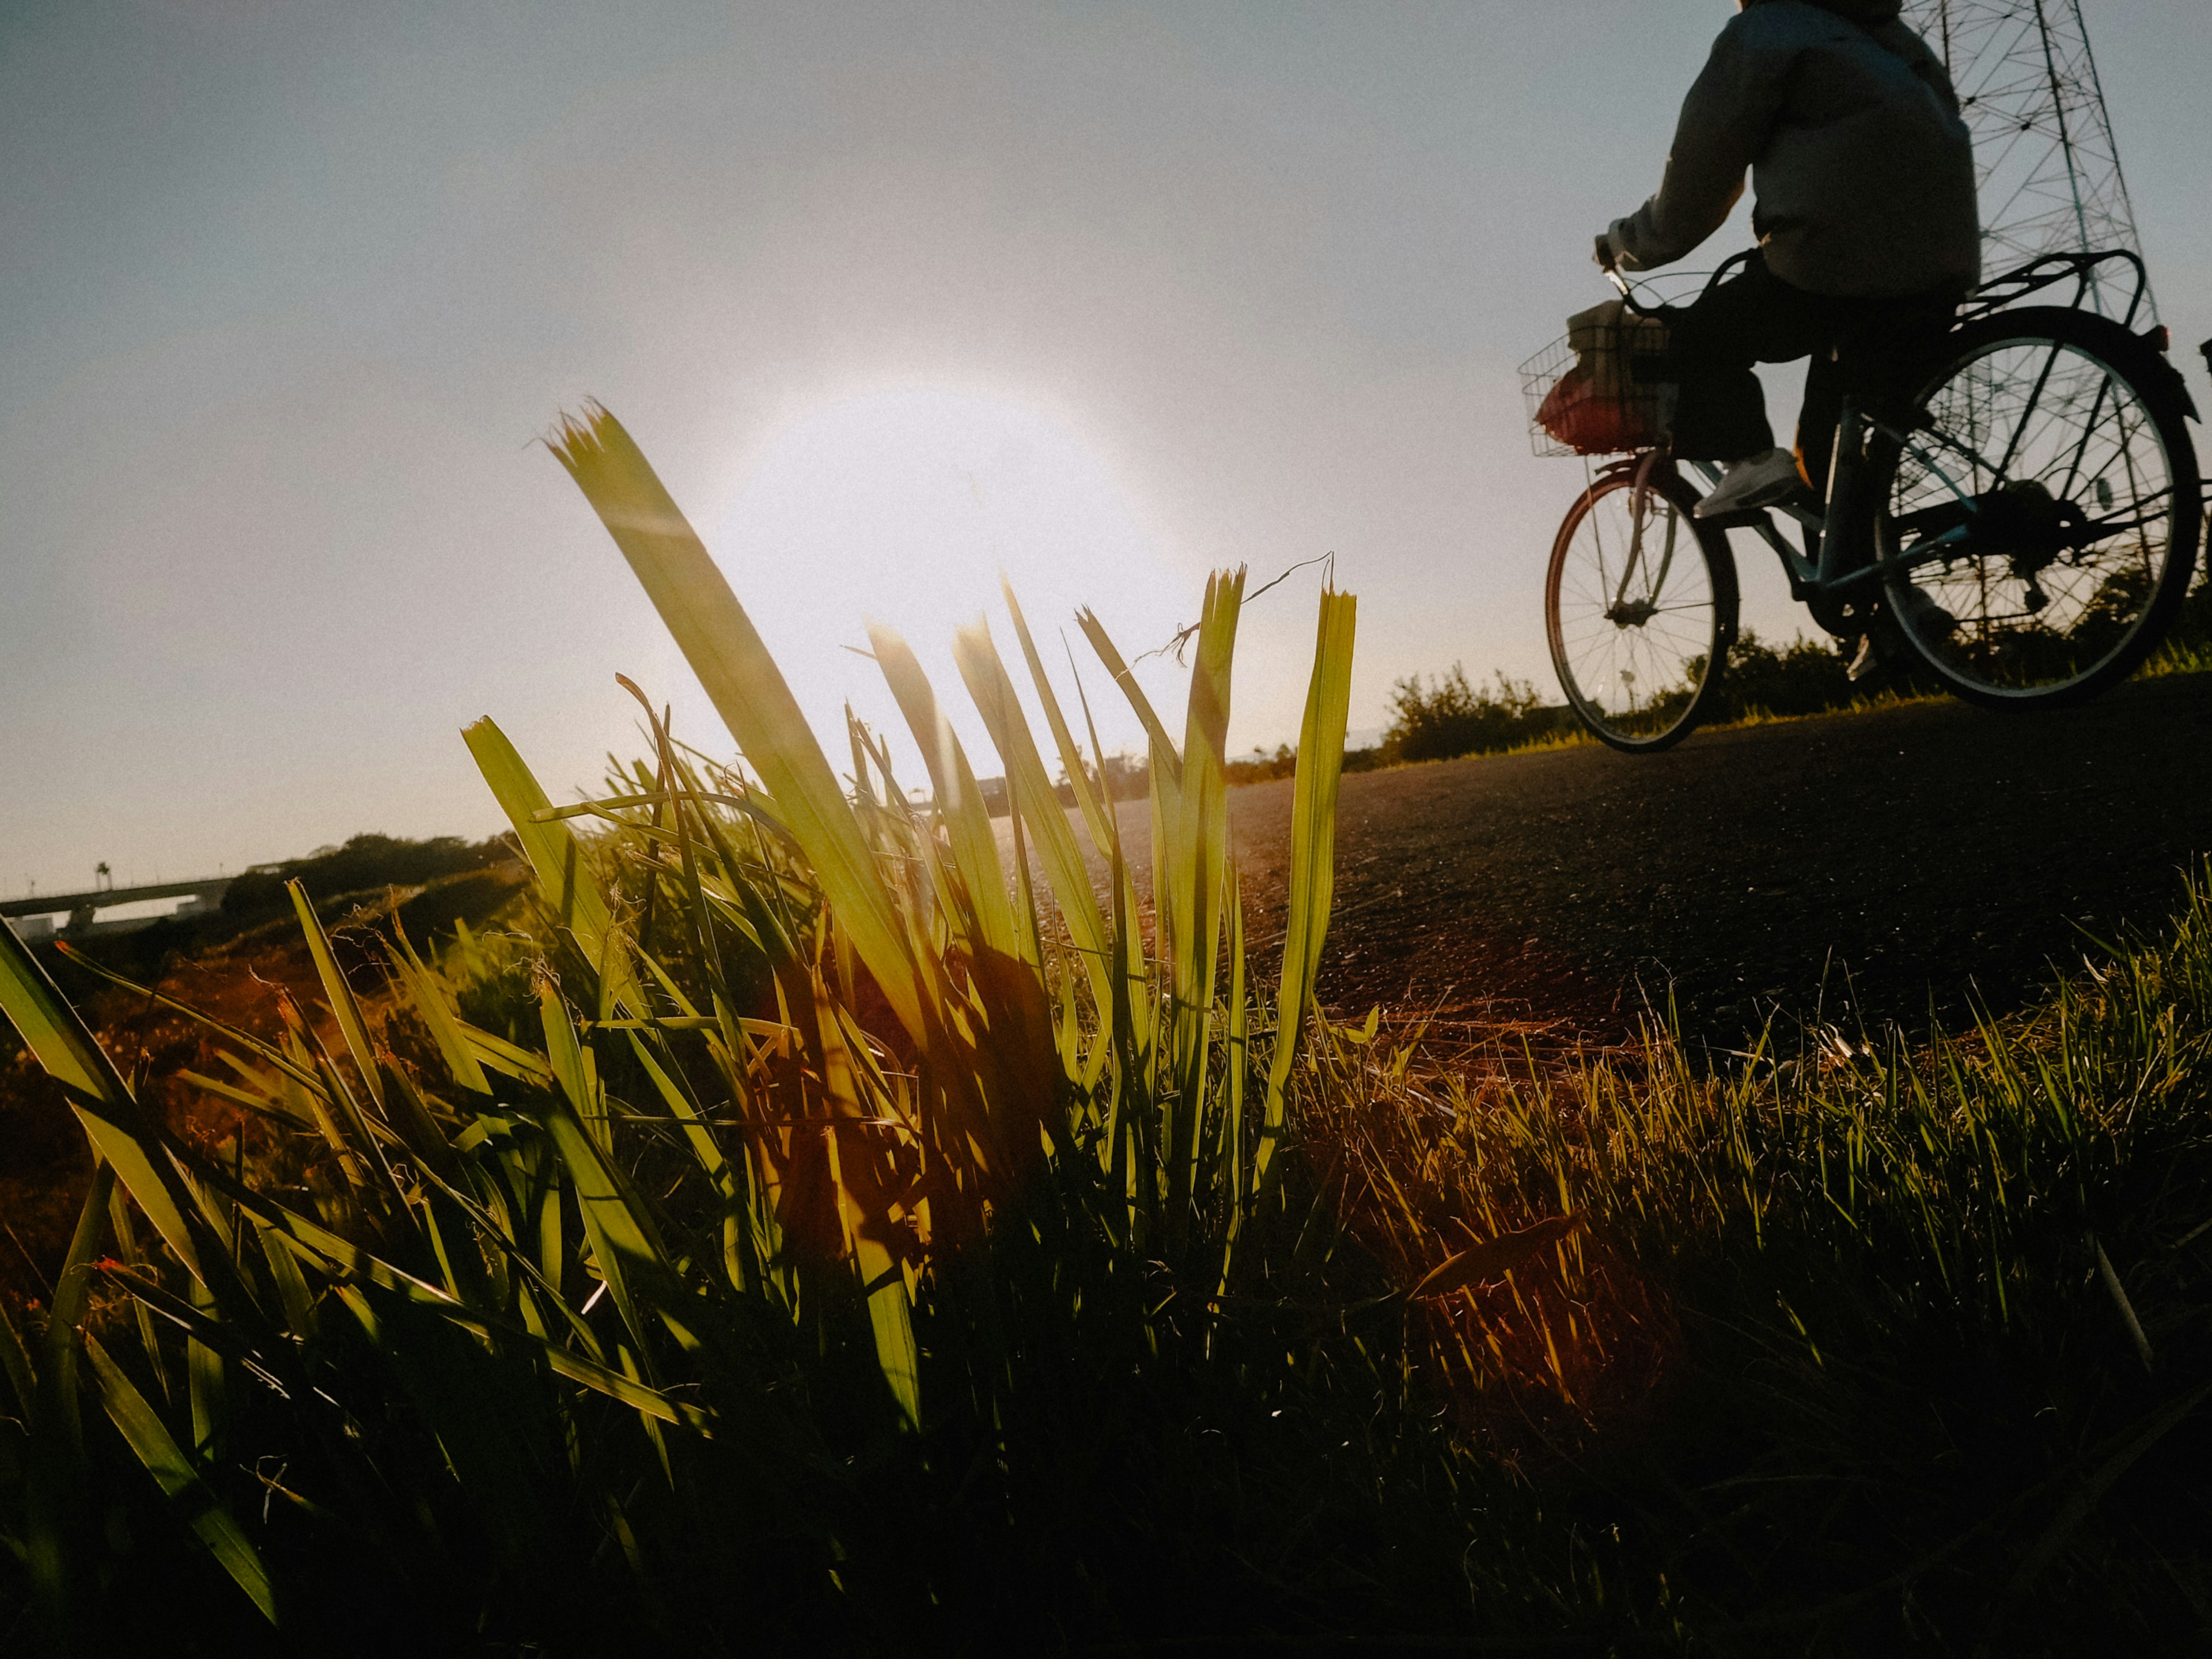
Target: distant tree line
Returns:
[[365, 864], [1448, 716]]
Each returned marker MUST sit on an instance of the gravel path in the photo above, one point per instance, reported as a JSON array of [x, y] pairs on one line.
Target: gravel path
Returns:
[[1890, 857]]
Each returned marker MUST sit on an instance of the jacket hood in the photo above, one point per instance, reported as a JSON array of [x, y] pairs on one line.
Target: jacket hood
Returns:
[[1858, 11]]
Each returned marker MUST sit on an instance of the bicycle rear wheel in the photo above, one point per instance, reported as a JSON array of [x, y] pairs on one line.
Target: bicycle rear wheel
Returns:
[[1640, 606], [2052, 449]]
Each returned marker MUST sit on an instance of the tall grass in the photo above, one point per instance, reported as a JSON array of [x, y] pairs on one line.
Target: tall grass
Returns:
[[799, 1230], [1877, 1341], [795, 1050]]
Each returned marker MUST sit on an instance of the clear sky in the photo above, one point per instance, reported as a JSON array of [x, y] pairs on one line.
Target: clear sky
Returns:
[[895, 294]]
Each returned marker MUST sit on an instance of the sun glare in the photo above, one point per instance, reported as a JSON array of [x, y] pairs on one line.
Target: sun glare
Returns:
[[904, 507]]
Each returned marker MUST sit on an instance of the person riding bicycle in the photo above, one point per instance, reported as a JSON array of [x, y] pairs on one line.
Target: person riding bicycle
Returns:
[[1869, 233]]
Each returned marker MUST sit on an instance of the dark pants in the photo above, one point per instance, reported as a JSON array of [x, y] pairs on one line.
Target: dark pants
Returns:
[[1876, 349]]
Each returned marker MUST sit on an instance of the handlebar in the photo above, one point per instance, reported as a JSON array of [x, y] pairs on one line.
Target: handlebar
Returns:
[[1728, 267]]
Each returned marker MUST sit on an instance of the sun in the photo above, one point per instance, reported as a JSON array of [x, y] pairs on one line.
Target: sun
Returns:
[[903, 507]]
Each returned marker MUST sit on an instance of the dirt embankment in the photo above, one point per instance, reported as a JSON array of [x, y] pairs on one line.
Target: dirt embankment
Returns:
[[234, 976]]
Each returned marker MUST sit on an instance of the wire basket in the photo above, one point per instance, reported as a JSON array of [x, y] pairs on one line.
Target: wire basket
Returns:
[[1600, 389]]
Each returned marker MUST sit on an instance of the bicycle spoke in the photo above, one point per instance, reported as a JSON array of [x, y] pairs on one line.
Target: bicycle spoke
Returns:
[[2062, 581], [1632, 612]]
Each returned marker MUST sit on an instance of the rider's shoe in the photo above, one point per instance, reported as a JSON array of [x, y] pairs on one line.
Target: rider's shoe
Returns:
[[1871, 659], [1882, 646], [1759, 481], [1922, 616]]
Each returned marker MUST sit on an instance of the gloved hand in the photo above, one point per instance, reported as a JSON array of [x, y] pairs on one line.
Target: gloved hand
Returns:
[[1606, 256]]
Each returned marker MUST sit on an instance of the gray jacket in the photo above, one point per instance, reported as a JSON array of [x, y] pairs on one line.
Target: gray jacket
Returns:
[[1863, 171]]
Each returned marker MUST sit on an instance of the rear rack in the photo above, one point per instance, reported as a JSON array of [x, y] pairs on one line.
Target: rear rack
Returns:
[[2049, 271]]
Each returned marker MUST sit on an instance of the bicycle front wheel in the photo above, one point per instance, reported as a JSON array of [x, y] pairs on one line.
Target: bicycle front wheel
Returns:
[[1640, 605], [2052, 474]]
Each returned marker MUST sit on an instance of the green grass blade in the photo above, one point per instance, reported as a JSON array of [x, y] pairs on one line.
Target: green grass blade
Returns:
[[206, 1384], [60, 1042], [428, 992], [179, 1480], [748, 690], [72, 1296], [1238, 1063], [1313, 855], [622, 1239], [1070, 755], [287, 1229], [883, 1282], [1165, 802], [959, 800], [1036, 800], [1191, 900], [339, 993], [293, 1295], [1156, 734], [50, 1028], [556, 856]]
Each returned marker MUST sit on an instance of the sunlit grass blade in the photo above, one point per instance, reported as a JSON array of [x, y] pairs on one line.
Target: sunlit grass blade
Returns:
[[337, 994], [1191, 904], [1313, 857], [866, 1225], [748, 690], [1165, 794], [556, 857], [57, 1039], [1164, 759], [429, 993], [959, 798], [1094, 797], [1087, 798], [1036, 800]]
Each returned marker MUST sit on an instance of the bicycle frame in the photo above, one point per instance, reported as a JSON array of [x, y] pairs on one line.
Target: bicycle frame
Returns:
[[1639, 515], [1840, 561], [1951, 487]]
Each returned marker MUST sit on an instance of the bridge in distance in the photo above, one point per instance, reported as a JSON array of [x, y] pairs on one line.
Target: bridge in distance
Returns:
[[77, 915]]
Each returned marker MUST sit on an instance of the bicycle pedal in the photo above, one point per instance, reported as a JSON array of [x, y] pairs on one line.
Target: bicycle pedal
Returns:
[[1866, 664], [1881, 648]]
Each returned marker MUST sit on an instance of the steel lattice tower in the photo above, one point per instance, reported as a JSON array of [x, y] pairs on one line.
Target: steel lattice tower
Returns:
[[2048, 172]]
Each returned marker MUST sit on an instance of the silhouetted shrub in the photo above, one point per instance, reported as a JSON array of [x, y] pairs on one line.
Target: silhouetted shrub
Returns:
[[1450, 717], [364, 862], [1804, 676]]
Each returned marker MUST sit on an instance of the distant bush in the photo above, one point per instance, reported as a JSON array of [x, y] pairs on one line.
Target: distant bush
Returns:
[[1805, 677], [364, 863], [1264, 768], [1449, 717], [2192, 628]]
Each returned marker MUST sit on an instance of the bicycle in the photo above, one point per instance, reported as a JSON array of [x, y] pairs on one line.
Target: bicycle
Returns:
[[2024, 533]]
